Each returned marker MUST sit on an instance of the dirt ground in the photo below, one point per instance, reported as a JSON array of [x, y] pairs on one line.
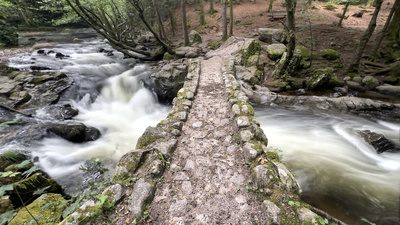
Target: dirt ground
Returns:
[[324, 32]]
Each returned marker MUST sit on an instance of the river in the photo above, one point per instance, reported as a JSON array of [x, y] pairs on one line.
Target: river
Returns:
[[337, 170], [110, 96]]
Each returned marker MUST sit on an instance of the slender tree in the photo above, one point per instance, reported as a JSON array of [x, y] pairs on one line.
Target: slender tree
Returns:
[[290, 9], [184, 22], [162, 33], [202, 17], [212, 10], [231, 18], [393, 30], [354, 66], [224, 21], [382, 35], [343, 14]]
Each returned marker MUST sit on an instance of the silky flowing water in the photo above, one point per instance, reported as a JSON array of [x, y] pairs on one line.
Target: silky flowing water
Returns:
[[110, 96], [337, 170]]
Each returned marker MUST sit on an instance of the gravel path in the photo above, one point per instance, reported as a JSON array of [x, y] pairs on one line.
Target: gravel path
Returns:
[[206, 183]]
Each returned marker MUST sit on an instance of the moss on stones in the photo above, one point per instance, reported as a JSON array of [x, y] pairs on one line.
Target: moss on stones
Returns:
[[47, 209], [252, 49], [330, 54]]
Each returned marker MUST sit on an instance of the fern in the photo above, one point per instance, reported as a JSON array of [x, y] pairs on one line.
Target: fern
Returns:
[[12, 156]]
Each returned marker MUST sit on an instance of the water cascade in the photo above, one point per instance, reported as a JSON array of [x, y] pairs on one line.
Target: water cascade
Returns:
[[338, 171]]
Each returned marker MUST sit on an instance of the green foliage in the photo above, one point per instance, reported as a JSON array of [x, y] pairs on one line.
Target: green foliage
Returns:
[[322, 221], [12, 156], [7, 123], [330, 7], [6, 217]]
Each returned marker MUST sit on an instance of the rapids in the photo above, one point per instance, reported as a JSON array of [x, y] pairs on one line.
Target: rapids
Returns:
[[110, 96], [337, 170]]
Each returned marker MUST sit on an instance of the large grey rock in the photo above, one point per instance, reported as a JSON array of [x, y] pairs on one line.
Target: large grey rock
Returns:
[[273, 213], [250, 154], [142, 194], [270, 35], [379, 141], [166, 148], [168, 81], [275, 51], [75, 133], [355, 86], [188, 52], [127, 165], [389, 90], [319, 79], [250, 75]]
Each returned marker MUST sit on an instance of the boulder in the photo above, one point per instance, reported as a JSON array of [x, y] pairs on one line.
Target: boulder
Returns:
[[305, 55], [263, 176], [78, 133], [47, 209], [330, 54], [378, 141], [142, 194], [319, 79], [270, 35], [187, 52], [275, 51], [352, 85], [168, 81], [370, 82], [389, 90], [277, 85], [194, 37], [250, 48], [250, 75], [273, 213]]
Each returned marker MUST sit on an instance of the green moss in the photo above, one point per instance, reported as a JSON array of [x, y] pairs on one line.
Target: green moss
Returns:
[[335, 82], [237, 22], [254, 48], [214, 44], [47, 209], [247, 22], [330, 54], [272, 156]]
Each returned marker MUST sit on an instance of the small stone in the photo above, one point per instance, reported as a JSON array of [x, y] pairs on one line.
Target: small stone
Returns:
[[243, 121], [273, 212], [236, 109], [262, 178], [246, 135], [182, 116], [197, 124], [176, 132], [306, 215], [250, 154], [143, 193]]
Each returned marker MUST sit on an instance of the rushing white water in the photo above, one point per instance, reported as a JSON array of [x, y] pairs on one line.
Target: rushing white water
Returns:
[[122, 107], [337, 170]]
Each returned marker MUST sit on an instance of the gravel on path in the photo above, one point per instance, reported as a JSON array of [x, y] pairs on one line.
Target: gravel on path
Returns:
[[206, 183]]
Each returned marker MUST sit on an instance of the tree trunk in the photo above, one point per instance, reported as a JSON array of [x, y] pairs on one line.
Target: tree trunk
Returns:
[[290, 9], [383, 31], [344, 14], [184, 22], [212, 10], [393, 31], [202, 17], [354, 66], [271, 2], [224, 21], [231, 18], [162, 33]]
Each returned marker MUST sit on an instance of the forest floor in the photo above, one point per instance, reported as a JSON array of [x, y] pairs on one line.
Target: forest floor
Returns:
[[316, 26]]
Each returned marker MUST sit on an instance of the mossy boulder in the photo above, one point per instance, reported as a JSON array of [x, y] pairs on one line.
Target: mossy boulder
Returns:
[[195, 37], [277, 85], [318, 78], [150, 135], [275, 51], [47, 209], [127, 165], [250, 49], [305, 55], [271, 35], [168, 56], [330, 54], [370, 82]]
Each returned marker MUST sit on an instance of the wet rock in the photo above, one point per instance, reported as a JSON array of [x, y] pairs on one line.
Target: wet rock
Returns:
[[38, 68], [41, 52], [379, 142], [75, 133], [273, 213], [59, 55], [168, 81], [370, 82], [20, 97], [275, 51], [48, 209], [389, 90], [355, 86], [143, 193]]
